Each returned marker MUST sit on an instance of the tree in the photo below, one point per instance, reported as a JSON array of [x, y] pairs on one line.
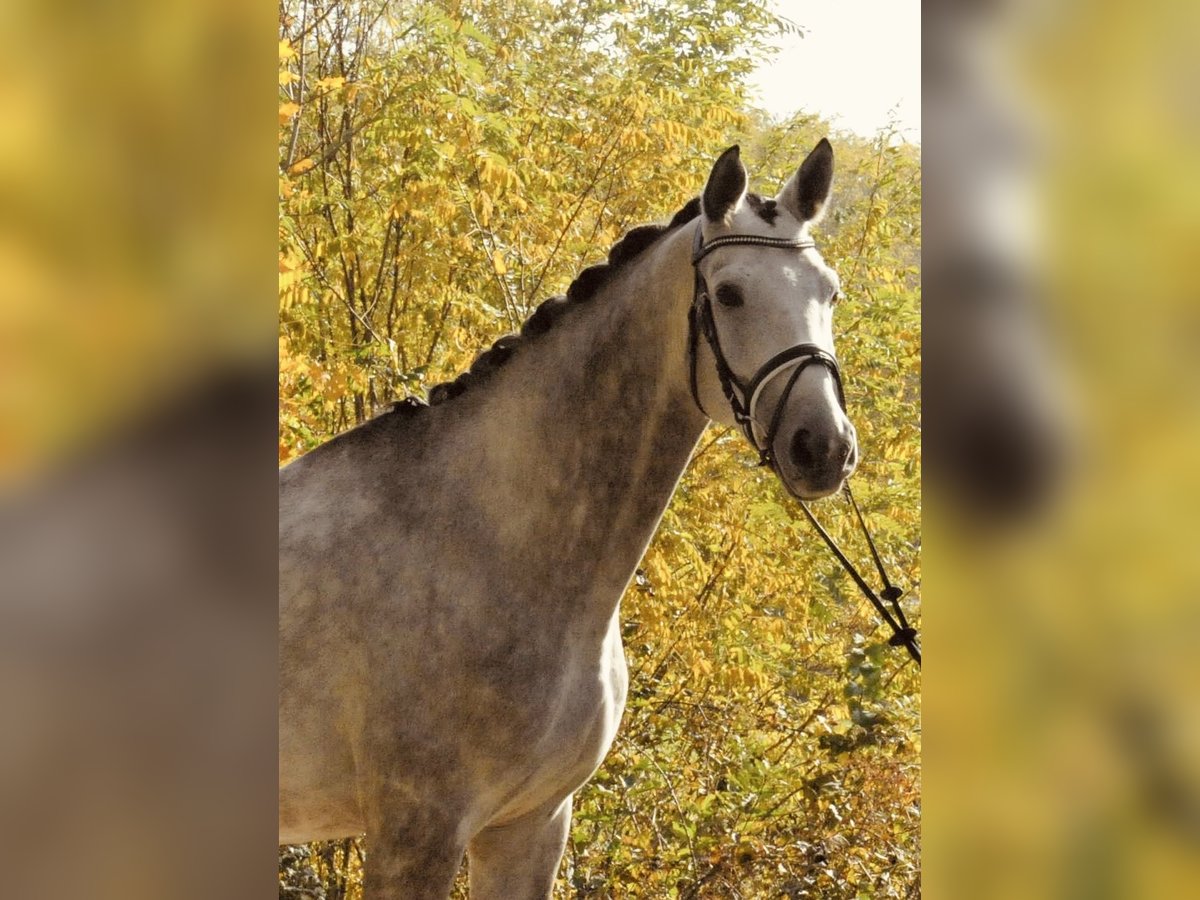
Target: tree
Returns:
[[446, 166]]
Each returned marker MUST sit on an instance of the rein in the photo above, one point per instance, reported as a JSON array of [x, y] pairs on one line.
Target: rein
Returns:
[[743, 397]]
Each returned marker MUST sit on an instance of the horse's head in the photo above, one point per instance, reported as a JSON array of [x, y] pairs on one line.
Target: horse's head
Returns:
[[762, 337]]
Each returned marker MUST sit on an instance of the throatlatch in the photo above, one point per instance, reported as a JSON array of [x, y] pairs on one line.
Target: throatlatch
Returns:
[[743, 399]]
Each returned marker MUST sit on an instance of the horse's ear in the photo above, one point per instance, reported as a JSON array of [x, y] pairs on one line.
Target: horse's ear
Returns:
[[726, 186], [807, 191]]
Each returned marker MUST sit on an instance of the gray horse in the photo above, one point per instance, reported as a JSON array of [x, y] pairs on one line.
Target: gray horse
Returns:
[[450, 575]]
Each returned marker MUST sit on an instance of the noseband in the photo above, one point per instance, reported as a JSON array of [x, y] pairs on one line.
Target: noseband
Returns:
[[743, 396]]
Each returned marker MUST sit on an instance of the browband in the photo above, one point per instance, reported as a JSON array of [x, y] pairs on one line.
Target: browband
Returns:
[[701, 249]]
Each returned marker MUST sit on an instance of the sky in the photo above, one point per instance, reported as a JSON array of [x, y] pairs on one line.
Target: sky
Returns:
[[856, 61]]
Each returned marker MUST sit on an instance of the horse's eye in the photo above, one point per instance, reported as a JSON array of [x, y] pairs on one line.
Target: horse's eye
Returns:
[[836, 298], [728, 295]]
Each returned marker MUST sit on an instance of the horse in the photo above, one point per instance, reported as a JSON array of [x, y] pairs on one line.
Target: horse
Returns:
[[451, 667]]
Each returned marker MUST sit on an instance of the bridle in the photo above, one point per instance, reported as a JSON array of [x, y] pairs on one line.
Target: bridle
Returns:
[[743, 398]]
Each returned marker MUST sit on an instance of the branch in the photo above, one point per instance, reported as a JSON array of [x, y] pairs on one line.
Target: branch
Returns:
[[321, 17], [699, 603], [721, 432], [291, 154], [574, 213], [862, 243], [437, 335]]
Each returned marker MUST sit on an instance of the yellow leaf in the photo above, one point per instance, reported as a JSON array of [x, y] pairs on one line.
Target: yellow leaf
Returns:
[[302, 166], [286, 111], [331, 83], [285, 50], [498, 263], [287, 76]]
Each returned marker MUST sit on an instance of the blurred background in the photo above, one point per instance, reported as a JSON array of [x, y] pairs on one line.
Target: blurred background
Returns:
[[137, 449], [1061, 393]]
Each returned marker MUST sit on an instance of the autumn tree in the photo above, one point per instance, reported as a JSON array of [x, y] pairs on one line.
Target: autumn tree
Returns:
[[444, 167]]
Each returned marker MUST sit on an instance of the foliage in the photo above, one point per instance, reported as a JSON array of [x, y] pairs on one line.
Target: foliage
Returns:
[[445, 167]]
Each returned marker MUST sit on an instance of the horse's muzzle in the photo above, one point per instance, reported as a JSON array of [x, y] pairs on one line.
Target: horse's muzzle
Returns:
[[822, 460]]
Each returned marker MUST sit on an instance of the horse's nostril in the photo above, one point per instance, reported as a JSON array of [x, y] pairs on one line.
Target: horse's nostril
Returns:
[[802, 449], [813, 451]]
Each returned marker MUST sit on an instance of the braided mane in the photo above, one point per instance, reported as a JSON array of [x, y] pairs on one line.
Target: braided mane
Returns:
[[585, 286]]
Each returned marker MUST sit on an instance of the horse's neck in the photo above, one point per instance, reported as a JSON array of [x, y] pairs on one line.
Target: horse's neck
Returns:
[[587, 432]]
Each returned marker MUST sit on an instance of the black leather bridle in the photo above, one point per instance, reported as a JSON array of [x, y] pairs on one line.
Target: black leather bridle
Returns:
[[743, 397]]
